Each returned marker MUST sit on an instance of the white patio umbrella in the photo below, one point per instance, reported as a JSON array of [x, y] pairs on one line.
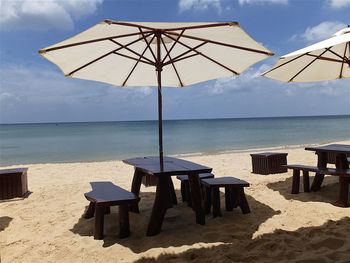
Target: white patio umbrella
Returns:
[[156, 54], [325, 60]]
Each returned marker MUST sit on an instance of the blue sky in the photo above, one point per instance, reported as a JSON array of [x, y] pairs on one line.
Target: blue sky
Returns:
[[34, 90]]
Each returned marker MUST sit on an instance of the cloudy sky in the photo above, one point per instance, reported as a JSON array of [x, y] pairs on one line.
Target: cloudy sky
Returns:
[[34, 90]]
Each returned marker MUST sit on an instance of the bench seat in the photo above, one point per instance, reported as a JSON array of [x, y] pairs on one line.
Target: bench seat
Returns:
[[234, 194], [102, 197], [306, 169], [185, 186]]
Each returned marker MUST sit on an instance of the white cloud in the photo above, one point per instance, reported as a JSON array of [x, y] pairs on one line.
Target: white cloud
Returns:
[[44, 14], [339, 3], [251, 2], [320, 32], [199, 5]]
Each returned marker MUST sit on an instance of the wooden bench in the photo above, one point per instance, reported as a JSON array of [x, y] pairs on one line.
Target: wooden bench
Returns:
[[269, 163], [306, 169], [13, 183], [102, 197], [234, 194], [185, 186]]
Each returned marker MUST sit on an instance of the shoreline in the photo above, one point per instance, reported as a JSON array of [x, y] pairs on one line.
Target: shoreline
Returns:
[[194, 154]]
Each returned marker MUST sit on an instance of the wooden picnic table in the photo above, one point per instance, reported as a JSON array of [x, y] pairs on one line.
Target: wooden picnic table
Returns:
[[341, 151], [164, 198]]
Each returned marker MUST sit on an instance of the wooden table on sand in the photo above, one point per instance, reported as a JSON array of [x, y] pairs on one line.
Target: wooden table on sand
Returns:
[[150, 165], [341, 151]]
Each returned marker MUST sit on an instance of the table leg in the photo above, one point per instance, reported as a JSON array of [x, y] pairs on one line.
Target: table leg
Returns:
[[162, 202], [196, 197], [173, 194], [135, 188], [341, 163], [321, 163]]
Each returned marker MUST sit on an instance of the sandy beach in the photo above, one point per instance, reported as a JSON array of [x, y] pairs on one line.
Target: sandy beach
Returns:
[[47, 226]]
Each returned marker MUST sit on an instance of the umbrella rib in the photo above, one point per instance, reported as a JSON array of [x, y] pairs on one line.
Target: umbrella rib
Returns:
[[148, 43], [137, 59], [173, 45], [132, 51], [224, 44], [172, 29], [178, 58], [209, 58], [124, 83], [308, 64], [43, 51], [97, 59], [327, 59], [285, 63], [168, 54], [342, 65]]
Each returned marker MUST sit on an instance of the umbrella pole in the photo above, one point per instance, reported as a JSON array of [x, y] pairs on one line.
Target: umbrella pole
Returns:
[[160, 122], [159, 68]]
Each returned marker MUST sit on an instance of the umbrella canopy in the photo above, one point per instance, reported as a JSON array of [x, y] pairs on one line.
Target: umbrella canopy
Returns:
[[156, 54], [325, 60]]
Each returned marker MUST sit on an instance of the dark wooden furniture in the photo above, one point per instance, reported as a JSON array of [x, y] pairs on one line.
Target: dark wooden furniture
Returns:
[[269, 163], [234, 194], [165, 194], [102, 197], [185, 186], [13, 183], [341, 151], [307, 169]]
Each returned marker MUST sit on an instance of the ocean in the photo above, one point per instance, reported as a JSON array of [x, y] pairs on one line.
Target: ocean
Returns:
[[97, 141]]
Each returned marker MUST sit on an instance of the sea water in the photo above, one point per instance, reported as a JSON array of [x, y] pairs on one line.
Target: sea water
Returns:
[[95, 141]]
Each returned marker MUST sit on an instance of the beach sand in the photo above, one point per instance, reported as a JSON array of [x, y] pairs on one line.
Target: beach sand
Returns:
[[47, 226]]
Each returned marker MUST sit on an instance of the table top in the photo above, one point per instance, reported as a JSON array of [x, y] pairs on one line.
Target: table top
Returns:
[[334, 148], [172, 166]]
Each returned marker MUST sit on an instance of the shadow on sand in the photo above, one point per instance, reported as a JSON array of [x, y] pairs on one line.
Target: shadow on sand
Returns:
[[328, 192], [231, 226], [4, 222], [327, 243]]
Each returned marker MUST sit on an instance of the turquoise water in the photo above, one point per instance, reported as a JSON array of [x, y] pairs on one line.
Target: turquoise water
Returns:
[[71, 142]]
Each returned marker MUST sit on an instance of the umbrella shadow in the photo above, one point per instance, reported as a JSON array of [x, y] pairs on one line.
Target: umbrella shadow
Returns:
[[5, 222], [328, 192], [329, 242], [179, 227]]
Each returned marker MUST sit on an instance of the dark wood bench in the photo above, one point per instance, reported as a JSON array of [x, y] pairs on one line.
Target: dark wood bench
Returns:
[[269, 163], [185, 186], [13, 183], [234, 194], [306, 169], [102, 197]]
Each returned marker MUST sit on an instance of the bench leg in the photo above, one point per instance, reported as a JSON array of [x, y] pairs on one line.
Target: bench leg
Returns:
[[173, 194], [183, 192], [216, 201], [207, 200], [124, 227], [306, 181], [229, 201], [296, 181], [196, 198], [243, 203], [188, 193], [107, 210], [99, 221], [90, 211], [343, 192], [135, 188]]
